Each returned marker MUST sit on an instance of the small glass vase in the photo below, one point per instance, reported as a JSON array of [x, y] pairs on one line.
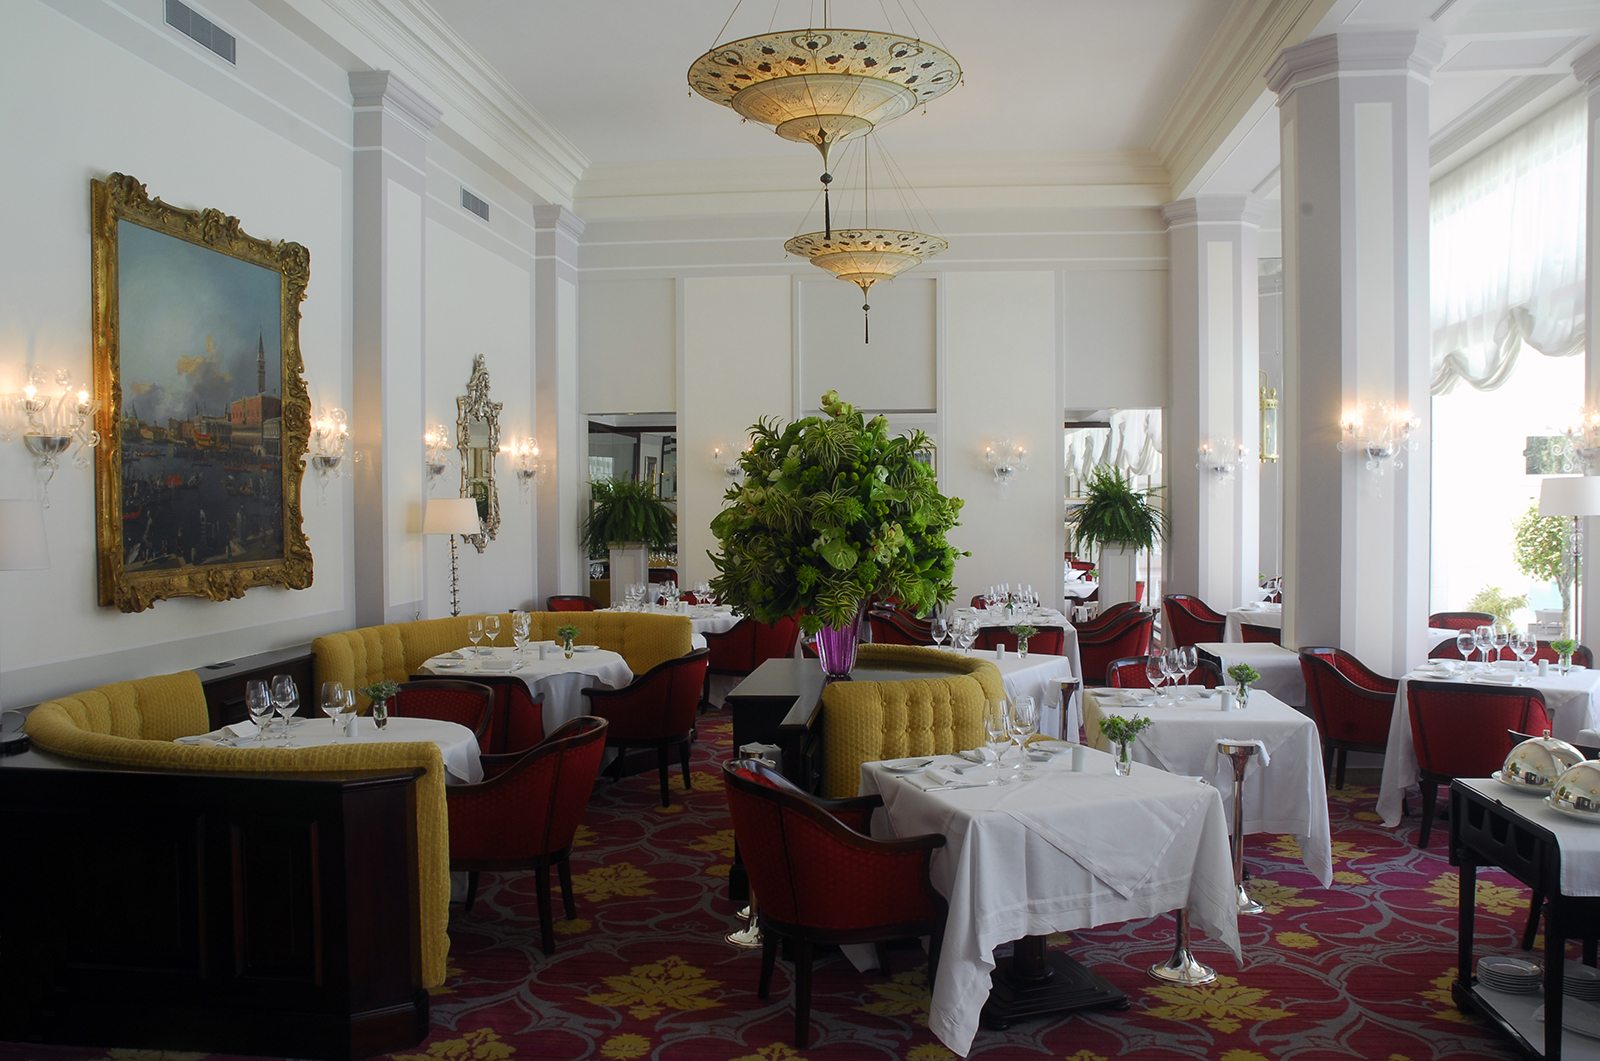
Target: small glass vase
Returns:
[[380, 713], [836, 647], [1564, 662], [1242, 700], [1022, 648], [566, 649], [1122, 758]]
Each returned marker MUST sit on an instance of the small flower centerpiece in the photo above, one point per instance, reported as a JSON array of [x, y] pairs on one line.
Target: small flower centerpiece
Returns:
[[1245, 675], [566, 635], [1122, 732], [1564, 648], [380, 693], [1023, 631], [832, 511]]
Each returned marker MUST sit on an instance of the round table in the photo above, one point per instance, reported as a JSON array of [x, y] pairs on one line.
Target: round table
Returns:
[[457, 744], [559, 680]]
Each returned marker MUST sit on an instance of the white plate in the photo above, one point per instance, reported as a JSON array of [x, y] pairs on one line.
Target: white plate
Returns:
[[1582, 816], [504, 666], [584, 648], [906, 766], [1518, 785], [448, 664]]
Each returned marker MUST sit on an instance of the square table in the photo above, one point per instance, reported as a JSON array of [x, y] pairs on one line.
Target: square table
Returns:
[[1573, 701], [1279, 667], [1058, 852], [1287, 795], [559, 680], [1257, 613]]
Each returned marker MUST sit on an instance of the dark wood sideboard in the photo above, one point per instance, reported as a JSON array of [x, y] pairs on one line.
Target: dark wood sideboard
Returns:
[[224, 682]]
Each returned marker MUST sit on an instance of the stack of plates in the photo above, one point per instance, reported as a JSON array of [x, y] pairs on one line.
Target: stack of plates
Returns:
[[1514, 976], [1581, 981]]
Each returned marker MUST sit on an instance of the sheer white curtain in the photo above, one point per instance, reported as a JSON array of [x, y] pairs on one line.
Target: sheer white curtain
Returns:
[[1507, 232]]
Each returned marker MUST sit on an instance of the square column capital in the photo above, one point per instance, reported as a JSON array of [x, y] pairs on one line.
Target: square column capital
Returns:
[[1412, 52], [381, 88], [1586, 68], [1214, 210]]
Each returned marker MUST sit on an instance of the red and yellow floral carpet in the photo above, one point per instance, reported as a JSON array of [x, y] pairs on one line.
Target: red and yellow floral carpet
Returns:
[[1361, 970]]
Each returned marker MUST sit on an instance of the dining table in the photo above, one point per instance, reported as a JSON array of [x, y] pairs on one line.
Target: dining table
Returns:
[[458, 745], [1284, 790], [1255, 613], [545, 669], [703, 618], [1572, 701], [1055, 851], [1279, 667], [1036, 617]]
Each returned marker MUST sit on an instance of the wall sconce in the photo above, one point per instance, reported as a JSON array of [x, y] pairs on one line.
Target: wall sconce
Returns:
[[728, 461], [524, 456], [1221, 458], [325, 451], [436, 443], [1007, 458], [1269, 421], [1380, 433], [51, 426]]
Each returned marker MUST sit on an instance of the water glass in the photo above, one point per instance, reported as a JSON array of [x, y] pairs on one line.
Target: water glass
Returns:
[[258, 701], [1154, 672], [938, 629], [997, 729], [286, 698], [1499, 638], [333, 702], [521, 625], [474, 632], [1023, 722], [1526, 647], [491, 628], [1465, 643], [1188, 661], [1483, 639]]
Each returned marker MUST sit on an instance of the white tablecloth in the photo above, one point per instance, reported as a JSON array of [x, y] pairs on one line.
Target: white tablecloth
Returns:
[[456, 743], [1257, 614], [1279, 667], [1035, 617], [703, 618], [1580, 841], [1573, 701], [1059, 852], [1079, 588], [559, 680], [1286, 796], [1028, 681]]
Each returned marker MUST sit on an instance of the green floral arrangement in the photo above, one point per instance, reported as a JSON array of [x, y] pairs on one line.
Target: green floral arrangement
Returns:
[[832, 512], [1024, 631], [627, 510], [1114, 513], [566, 634], [1244, 674], [381, 691], [1121, 730], [1565, 646]]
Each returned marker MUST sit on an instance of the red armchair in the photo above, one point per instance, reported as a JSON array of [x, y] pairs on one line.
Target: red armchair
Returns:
[[1457, 730], [1048, 640], [1189, 621], [1250, 633], [524, 813], [570, 602], [1351, 705], [655, 710], [1127, 636], [816, 880], [745, 647], [1460, 620], [892, 627], [1582, 656], [1104, 619], [1130, 673], [467, 704], [516, 722]]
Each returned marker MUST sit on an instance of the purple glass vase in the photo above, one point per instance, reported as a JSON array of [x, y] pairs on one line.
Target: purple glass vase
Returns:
[[836, 647]]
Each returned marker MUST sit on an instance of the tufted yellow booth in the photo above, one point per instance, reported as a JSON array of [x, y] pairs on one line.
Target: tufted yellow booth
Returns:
[[867, 720], [133, 723], [395, 651]]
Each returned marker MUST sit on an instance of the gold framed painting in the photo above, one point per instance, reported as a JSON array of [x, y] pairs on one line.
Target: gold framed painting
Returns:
[[204, 416]]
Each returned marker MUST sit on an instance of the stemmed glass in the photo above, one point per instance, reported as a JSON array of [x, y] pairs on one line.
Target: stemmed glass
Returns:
[[520, 627], [491, 628], [1188, 661], [1465, 643], [1526, 646], [1172, 666], [1023, 722], [333, 702], [967, 634], [286, 698], [938, 629], [997, 730], [474, 632], [1483, 638], [258, 701], [1499, 637], [1155, 670]]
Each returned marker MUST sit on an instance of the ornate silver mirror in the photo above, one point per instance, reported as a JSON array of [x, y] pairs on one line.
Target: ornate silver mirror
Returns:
[[478, 440]]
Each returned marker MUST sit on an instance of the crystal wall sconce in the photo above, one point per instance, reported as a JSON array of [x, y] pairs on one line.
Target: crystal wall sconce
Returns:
[[1005, 459], [54, 421], [436, 452], [524, 456], [727, 460], [327, 448], [1584, 439], [1221, 458], [1380, 433]]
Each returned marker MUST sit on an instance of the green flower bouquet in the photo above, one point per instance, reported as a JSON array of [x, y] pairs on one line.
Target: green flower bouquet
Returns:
[[1122, 732], [567, 635], [1564, 648], [1245, 675], [380, 693], [1023, 631]]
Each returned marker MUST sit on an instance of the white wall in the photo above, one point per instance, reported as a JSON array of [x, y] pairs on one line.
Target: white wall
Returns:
[[629, 362]]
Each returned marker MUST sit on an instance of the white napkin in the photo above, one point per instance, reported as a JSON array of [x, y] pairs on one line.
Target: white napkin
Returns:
[[940, 777], [1261, 755], [242, 729], [506, 665], [1495, 678]]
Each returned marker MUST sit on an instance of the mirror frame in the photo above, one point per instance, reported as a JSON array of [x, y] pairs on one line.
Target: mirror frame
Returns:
[[475, 405]]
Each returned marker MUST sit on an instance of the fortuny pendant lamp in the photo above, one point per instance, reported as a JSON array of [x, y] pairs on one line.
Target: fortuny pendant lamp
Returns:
[[823, 86]]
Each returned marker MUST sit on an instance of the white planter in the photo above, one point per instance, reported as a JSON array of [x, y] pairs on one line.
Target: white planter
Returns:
[[630, 563], [1119, 571]]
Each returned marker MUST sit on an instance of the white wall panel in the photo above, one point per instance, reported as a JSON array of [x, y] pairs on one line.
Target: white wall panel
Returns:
[[896, 370], [628, 330], [1116, 339]]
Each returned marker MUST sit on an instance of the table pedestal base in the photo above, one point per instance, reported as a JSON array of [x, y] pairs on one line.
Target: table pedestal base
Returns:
[[1036, 983]]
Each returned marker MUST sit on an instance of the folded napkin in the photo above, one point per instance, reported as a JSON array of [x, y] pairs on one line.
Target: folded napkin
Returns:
[[950, 777], [242, 729], [1495, 678], [502, 665], [1262, 757], [198, 739]]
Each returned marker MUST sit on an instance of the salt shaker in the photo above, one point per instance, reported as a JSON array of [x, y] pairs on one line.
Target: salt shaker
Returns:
[[1544, 667], [999, 652], [1078, 757], [1225, 699]]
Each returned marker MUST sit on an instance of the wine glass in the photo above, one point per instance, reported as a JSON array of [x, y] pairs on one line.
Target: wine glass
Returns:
[[1154, 672], [491, 628], [1188, 661], [520, 628], [1483, 637], [1465, 643], [1023, 722], [1499, 637], [1526, 647], [967, 634], [938, 629], [474, 632], [286, 699], [997, 730], [258, 701], [1172, 666], [333, 702]]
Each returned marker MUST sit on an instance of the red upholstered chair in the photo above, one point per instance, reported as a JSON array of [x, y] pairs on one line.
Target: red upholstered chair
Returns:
[[468, 704], [738, 651], [1127, 636], [1138, 592], [1189, 621], [570, 602], [516, 722], [1107, 616], [1351, 705], [1250, 633], [524, 813], [1047, 640], [1459, 620], [891, 627], [1130, 673], [1457, 730], [662, 574], [655, 710], [1582, 656], [980, 601], [816, 880], [1082, 565]]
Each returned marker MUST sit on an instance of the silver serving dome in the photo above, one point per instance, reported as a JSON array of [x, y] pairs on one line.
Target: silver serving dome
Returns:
[[1538, 761], [1578, 790]]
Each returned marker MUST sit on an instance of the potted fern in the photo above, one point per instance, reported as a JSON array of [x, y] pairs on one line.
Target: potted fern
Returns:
[[626, 520], [1121, 521]]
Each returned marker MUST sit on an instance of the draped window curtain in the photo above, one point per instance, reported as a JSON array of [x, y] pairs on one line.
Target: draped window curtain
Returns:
[[1507, 235]]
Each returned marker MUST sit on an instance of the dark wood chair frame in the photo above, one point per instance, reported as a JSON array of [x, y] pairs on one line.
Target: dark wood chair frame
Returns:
[[598, 695], [1334, 750]]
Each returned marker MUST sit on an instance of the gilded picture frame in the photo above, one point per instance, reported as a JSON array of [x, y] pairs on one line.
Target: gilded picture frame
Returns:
[[197, 477]]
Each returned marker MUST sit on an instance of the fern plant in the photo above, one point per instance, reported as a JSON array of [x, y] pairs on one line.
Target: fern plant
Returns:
[[831, 512], [1114, 513], [627, 510]]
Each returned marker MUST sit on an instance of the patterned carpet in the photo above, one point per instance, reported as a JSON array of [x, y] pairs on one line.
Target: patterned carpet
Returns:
[[1359, 970]]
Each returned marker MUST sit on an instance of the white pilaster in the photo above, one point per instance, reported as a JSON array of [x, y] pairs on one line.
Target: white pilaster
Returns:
[[393, 126], [559, 561], [1213, 550], [1353, 113], [1587, 69], [1270, 333]]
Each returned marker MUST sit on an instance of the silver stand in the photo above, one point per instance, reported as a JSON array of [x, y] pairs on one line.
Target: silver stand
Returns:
[[1183, 967], [1239, 755]]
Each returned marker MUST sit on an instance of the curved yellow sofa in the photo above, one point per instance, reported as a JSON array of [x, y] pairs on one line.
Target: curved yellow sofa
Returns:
[[863, 721], [395, 651], [134, 723]]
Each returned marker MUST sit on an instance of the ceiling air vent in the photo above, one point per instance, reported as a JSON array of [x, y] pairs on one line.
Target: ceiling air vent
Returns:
[[474, 204], [201, 30]]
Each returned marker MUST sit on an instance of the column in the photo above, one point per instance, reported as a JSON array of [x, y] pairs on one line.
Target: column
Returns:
[[1587, 69], [1353, 118], [1270, 333], [393, 126], [1213, 497], [558, 421]]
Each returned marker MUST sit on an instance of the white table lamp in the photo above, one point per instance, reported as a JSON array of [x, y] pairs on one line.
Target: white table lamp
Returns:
[[23, 547], [452, 516], [1575, 496]]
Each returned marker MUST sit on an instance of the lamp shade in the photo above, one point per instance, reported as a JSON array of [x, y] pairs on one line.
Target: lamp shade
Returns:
[[453, 515], [22, 538], [1570, 495]]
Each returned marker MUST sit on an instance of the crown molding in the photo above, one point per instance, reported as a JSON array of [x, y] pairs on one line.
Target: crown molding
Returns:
[[1508, 107], [1214, 210], [1586, 67], [479, 106], [1227, 82], [1376, 51], [379, 88]]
